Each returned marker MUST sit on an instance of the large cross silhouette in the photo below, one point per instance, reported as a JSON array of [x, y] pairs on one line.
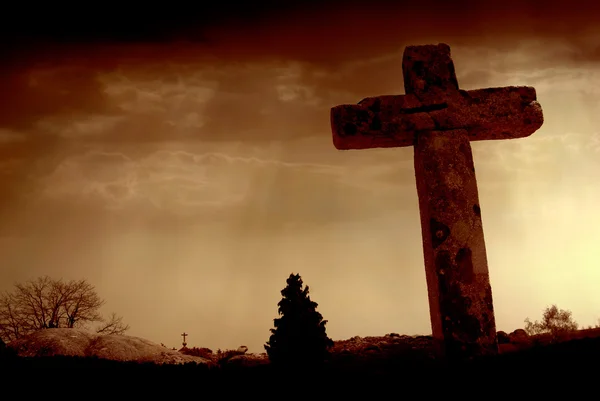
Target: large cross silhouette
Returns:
[[439, 120]]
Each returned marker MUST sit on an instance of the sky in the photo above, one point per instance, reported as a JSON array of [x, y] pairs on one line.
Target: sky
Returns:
[[181, 161]]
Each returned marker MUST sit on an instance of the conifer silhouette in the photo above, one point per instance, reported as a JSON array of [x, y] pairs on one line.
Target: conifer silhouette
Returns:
[[299, 337]]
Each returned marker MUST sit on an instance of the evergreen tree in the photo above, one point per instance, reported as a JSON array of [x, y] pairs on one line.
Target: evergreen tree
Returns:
[[299, 337]]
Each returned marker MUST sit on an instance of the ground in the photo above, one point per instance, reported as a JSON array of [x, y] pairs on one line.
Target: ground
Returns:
[[393, 360]]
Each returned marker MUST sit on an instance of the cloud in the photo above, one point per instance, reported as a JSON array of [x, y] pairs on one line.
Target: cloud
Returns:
[[37, 92], [8, 136], [543, 156], [252, 102], [187, 92], [93, 125], [190, 188], [272, 108]]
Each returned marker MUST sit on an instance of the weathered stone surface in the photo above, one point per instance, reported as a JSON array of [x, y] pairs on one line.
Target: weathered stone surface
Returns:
[[440, 120], [396, 120], [460, 296]]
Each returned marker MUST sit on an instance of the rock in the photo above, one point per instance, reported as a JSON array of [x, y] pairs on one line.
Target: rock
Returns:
[[247, 360], [242, 349], [520, 339], [519, 336], [75, 342], [357, 348], [201, 352], [375, 348], [503, 337], [50, 342]]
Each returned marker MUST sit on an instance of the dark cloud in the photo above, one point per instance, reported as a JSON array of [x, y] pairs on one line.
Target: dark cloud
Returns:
[[323, 35], [317, 30], [32, 94]]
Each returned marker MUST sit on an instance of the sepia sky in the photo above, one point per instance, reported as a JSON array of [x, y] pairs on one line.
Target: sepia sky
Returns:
[[182, 162]]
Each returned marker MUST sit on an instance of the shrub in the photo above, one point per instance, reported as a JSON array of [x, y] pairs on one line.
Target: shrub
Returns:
[[222, 357], [201, 352], [556, 322]]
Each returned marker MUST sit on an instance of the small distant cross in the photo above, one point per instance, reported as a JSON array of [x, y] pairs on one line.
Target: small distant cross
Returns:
[[184, 335]]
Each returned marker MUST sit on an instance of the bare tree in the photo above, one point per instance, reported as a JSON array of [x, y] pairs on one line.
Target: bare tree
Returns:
[[46, 303], [81, 304], [33, 301], [113, 325], [11, 318]]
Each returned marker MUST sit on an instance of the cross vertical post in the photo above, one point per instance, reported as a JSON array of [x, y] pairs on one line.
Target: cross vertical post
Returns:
[[184, 335]]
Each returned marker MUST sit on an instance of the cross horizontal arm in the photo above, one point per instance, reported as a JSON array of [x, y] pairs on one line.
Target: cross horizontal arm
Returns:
[[394, 120]]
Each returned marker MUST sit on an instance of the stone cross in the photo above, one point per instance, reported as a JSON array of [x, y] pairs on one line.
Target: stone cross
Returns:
[[439, 120], [184, 335]]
